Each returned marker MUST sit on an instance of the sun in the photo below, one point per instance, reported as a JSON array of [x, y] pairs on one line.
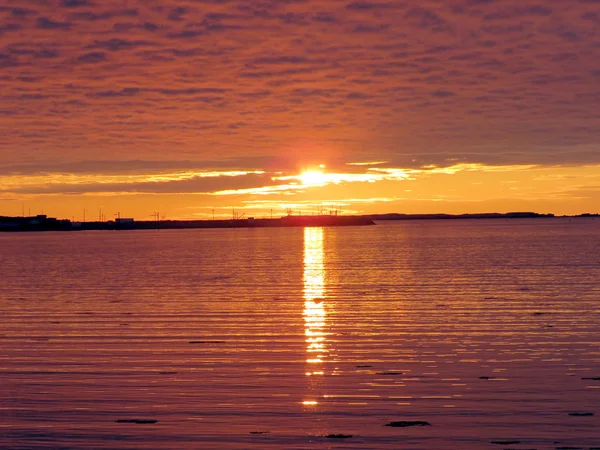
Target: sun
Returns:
[[313, 178]]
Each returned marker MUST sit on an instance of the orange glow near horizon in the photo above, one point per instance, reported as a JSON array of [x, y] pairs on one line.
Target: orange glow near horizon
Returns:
[[197, 194]]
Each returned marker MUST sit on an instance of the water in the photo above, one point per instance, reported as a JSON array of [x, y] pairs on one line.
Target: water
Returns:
[[276, 338]]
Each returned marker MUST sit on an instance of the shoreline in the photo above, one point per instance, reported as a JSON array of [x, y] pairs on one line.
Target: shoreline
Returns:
[[44, 223]]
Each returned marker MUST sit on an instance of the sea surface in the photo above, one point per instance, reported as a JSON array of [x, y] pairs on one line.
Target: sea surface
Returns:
[[486, 333]]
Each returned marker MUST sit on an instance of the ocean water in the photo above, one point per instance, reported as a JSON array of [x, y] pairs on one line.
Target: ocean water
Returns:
[[487, 330]]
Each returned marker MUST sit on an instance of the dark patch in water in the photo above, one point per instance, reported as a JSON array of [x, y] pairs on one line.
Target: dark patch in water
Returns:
[[568, 448], [581, 414], [338, 436], [138, 421], [408, 423], [538, 313], [259, 432], [54, 323], [389, 373], [591, 378], [487, 378], [364, 367], [167, 373], [506, 442], [207, 342]]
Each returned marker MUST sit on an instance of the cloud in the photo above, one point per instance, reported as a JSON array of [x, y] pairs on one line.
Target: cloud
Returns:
[[116, 44], [140, 167], [181, 184], [75, 3], [45, 23], [92, 57], [493, 82]]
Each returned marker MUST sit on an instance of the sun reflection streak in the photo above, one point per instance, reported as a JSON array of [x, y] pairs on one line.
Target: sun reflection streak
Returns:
[[315, 315], [314, 294]]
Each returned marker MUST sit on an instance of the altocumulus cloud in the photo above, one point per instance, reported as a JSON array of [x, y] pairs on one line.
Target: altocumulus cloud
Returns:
[[501, 82]]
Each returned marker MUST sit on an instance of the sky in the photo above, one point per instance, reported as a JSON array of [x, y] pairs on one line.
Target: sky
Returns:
[[192, 108]]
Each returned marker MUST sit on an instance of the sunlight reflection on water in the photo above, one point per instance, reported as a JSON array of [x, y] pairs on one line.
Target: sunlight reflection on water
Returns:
[[314, 307]]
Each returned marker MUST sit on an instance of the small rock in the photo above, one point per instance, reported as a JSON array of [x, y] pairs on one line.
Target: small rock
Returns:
[[338, 436], [581, 414], [408, 423], [506, 442], [363, 367], [487, 378], [138, 421], [259, 432], [591, 378], [207, 342], [389, 373]]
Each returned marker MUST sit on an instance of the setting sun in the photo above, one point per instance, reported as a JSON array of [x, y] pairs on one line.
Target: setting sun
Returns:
[[313, 178]]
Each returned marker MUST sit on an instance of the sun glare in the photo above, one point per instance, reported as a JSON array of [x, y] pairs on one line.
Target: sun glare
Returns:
[[313, 178]]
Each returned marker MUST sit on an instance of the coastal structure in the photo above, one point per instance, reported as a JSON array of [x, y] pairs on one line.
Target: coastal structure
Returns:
[[44, 223]]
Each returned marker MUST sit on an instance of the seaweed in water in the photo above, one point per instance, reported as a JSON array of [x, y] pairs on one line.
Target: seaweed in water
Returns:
[[138, 421], [408, 423]]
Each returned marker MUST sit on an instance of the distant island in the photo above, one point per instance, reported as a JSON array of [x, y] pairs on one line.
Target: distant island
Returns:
[[509, 215], [45, 223]]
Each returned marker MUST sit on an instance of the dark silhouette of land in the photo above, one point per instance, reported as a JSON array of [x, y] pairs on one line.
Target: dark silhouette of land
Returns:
[[509, 215], [44, 223]]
